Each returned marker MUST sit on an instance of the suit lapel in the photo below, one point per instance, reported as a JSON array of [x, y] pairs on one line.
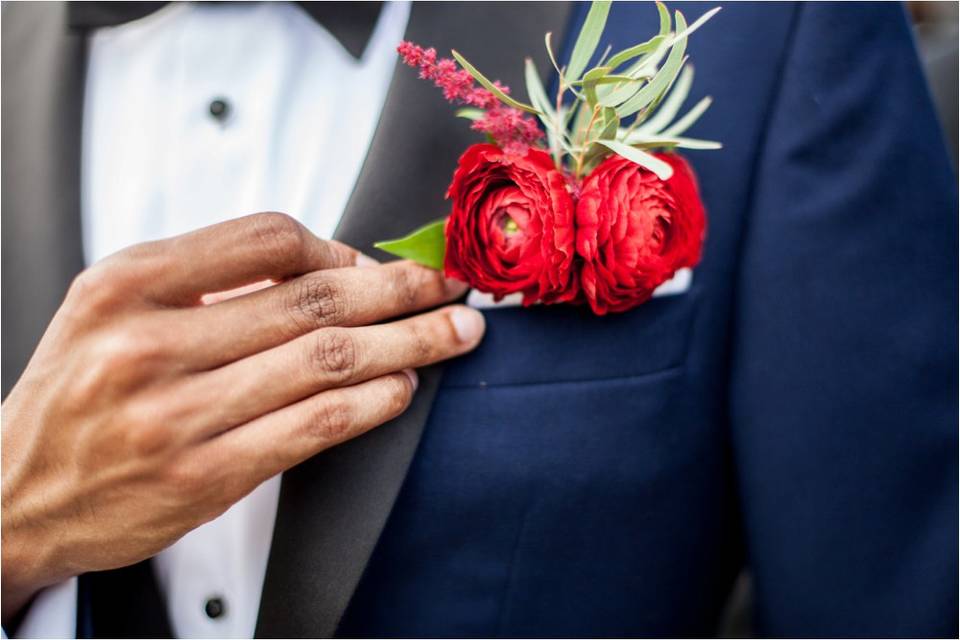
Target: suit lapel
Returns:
[[334, 506], [41, 117], [42, 113]]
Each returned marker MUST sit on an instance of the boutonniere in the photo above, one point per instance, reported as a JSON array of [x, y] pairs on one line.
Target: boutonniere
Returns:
[[582, 198]]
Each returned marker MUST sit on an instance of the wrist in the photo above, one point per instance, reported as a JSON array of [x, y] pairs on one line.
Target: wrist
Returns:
[[26, 570]]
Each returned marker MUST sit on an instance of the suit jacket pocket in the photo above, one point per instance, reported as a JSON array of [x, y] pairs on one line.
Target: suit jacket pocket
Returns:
[[549, 344]]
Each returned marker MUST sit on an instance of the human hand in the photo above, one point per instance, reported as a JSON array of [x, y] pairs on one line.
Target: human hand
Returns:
[[144, 413]]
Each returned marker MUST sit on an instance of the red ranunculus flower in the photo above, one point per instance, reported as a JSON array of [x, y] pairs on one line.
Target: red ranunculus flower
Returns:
[[511, 227], [635, 230]]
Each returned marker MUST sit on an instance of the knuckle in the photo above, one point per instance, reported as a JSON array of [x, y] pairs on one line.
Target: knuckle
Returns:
[[330, 422], [113, 363], [407, 283], [94, 286], [188, 480], [435, 282], [149, 426], [335, 254], [317, 302], [421, 343], [111, 358], [116, 278], [399, 394], [147, 439], [279, 235], [91, 382], [334, 352], [122, 349]]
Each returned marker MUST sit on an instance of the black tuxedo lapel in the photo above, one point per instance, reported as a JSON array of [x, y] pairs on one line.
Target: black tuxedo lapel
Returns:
[[334, 506], [41, 114]]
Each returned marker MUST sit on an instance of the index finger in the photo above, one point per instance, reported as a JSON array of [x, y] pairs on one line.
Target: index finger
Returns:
[[262, 246], [248, 324]]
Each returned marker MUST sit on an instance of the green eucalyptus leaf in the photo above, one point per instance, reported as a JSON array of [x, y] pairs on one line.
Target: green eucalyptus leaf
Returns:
[[538, 97], [588, 39], [592, 77], [688, 119], [643, 68], [635, 51], [580, 122], [470, 113], [699, 22], [654, 106], [610, 124], [618, 79], [553, 59], [489, 86], [671, 105], [695, 143], [660, 168], [535, 91], [606, 52], [662, 80], [589, 83], [664, 18], [567, 146], [425, 246], [653, 142]]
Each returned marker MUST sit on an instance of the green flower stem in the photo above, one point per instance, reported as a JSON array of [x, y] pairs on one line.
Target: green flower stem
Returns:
[[583, 142]]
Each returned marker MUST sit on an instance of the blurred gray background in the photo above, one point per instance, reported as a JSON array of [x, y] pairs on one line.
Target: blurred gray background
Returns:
[[935, 24]]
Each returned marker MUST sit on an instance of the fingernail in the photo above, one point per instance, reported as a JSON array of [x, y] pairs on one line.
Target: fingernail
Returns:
[[467, 323], [454, 286], [414, 380], [366, 261]]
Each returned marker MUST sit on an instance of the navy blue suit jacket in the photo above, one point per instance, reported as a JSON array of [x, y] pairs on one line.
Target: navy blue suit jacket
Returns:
[[795, 411]]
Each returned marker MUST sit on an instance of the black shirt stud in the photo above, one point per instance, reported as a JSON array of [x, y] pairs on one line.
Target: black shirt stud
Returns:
[[214, 608], [219, 109]]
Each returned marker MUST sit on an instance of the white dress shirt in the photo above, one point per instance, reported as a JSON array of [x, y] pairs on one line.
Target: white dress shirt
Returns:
[[298, 113]]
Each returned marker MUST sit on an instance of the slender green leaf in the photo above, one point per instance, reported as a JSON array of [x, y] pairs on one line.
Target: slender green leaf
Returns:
[[588, 39], [592, 77], [567, 146], [668, 110], [664, 18], [654, 106], [535, 91], [605, 128], [662, 170], [635, 139], [538, 98], [589, 83], [470, 113], [637, 50], [617, 79], [699, 22], [489, 86], [688, 119], [642, 68], [606, 52], [553, 59], [425, 246], [661, 82], [618, 95], [610, 124], [579, 134]]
